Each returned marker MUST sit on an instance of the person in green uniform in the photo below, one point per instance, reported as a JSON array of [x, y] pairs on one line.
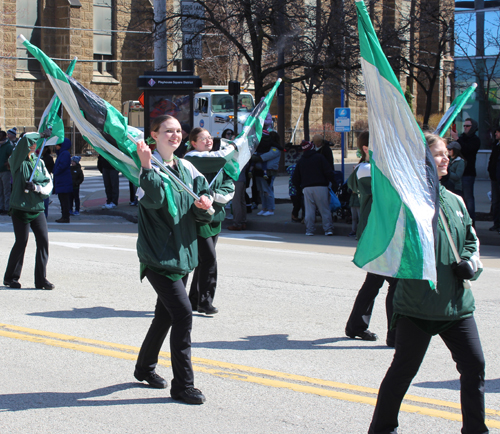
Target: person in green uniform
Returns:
[[168, 252], [422, 311], [204, 282], [360, 182], [27, 210]]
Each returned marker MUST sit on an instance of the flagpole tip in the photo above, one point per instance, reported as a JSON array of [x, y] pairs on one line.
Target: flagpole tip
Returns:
[[21, 38], [474, 85]]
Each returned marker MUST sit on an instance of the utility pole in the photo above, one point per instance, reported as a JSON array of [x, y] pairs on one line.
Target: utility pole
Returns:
[[160, 37]]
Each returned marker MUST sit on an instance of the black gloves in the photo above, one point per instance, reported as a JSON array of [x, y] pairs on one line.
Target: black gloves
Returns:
[[29, 186], [256, 158], [463, 270]]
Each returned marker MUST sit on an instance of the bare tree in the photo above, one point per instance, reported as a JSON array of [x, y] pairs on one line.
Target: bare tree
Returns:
[[477, 58], [426, 30]]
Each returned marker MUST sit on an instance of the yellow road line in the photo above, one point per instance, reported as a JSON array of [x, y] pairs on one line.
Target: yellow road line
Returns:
[[233, 371]]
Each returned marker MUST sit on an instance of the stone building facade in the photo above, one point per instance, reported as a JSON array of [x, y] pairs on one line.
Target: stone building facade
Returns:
[[67, 28]]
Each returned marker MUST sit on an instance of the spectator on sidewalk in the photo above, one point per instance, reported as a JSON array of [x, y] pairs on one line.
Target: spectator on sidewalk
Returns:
[[63, 182], [12, 136], [111, 182], [324, 148], [470, 144], [6, 148], [77, 177], [267, 154], [313, 175], [296, 196], [456, 168], [494, 172]]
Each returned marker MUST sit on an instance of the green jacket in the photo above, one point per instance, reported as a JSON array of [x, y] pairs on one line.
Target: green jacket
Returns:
[[21, 167], [165, 243], [450, 300], [222, 189], [5, 152], [360, 182]]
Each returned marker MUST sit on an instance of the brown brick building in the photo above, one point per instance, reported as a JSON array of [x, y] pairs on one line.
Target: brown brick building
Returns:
[[110, 60]]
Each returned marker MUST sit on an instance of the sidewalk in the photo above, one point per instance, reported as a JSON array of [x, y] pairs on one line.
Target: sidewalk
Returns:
[[281, 220]]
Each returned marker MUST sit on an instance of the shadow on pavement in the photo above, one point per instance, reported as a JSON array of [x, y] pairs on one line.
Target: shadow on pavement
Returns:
[[281, 342], [97, 312], [28, 401]]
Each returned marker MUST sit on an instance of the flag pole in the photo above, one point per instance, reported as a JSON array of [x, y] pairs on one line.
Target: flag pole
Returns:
[[160, 164], [43, 134], [215, 177]]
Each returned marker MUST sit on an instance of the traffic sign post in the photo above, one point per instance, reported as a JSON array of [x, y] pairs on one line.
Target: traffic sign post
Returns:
[[342, 124]]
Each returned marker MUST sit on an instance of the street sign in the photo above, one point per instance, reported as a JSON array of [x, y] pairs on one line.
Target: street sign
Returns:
[[192, 25], [342, 120], [191, 46]]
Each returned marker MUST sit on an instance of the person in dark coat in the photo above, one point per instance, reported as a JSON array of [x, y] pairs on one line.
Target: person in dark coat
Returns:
[[324, 148], [494, 172], [470, 144], [78, 177], [111, 182], [313, 175], [63, 182]]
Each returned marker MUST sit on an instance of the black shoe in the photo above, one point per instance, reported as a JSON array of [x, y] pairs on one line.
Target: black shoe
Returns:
[[494, 228], [61, 220], [210, 310], [152, 378], [189, 396], [46, 285], [12, 284], [366, 335]]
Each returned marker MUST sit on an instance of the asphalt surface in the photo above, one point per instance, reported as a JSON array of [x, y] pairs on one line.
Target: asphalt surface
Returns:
[[273, 360]]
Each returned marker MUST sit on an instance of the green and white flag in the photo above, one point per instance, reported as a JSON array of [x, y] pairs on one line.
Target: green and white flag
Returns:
[[246, 143], [248, 140], [398, 240], [454, 110], [51, 118], [100, 124]]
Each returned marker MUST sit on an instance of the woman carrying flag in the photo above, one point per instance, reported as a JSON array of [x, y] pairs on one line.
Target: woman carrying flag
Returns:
[[27, 210], [204, 281], [168, 252], [421, 312]]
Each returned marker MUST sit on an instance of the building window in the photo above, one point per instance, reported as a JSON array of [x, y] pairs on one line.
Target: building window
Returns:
[[27, 16], [103, 37]]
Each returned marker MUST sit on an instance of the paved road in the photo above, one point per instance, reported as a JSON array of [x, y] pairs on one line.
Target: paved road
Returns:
[[275, 359]]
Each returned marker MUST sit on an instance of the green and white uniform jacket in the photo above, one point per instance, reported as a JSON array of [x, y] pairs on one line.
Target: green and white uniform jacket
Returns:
[[167, 244], [222, 189], [450, 301], [360, 182], [21, 166]]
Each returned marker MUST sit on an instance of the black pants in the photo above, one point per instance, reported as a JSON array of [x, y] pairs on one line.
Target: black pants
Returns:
[[65, 201], [172, 310], [111, 185], [297, 204], [75, 199], [16, 258], [359, 320], [202, 291], [411, 344]]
